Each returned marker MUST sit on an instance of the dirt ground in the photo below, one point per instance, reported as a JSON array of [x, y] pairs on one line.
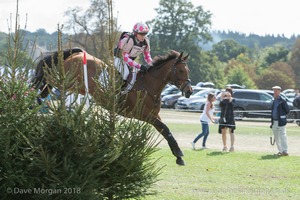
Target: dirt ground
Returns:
[[245, 143]]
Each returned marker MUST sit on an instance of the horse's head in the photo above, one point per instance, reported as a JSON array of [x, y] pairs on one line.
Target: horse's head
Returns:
[[180, 75]]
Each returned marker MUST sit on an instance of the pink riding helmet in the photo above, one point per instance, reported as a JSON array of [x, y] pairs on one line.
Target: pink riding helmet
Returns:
[[140, 28]]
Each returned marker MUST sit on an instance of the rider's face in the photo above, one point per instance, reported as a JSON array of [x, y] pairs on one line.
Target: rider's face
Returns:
[[141, 37]]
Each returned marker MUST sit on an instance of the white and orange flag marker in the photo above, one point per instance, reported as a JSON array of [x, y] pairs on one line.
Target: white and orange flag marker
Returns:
[[86, 83]]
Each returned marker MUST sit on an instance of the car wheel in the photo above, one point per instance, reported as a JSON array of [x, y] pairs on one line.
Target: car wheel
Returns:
[[298, 122], [238, 113]]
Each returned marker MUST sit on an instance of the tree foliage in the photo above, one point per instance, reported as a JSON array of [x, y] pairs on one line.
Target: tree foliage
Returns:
[[238, 76], [209, 69], [278, 55], [90, 27], [271, 77], [179, 25], [245, 63], [72, 152], [228, 49], [279, 73], [295, 61], [283, 68]]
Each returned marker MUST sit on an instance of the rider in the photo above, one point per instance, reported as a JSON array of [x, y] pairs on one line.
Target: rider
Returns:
[[131, 46]]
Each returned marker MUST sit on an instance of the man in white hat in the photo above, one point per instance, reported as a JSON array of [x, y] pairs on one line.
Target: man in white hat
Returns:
[[279, 113]]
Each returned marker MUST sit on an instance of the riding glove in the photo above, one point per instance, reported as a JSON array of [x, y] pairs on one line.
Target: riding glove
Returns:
[[144, 68]]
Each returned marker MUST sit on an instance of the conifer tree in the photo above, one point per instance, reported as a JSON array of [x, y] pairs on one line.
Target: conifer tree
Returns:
[[78, 153], [19, 120]]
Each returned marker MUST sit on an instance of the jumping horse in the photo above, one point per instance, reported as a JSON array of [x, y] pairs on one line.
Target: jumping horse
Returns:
[[171, 68]]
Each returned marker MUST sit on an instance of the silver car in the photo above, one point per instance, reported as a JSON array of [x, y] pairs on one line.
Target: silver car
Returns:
[[170, 101], [196, 101]]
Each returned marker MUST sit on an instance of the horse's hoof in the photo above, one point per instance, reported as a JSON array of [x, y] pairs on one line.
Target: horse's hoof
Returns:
[[179, 161]]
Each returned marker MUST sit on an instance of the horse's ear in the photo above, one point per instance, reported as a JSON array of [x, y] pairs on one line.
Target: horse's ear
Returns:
[[180, 56], [186, 57]]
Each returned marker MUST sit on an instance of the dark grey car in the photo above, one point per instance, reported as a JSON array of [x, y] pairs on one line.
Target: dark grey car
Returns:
[[250, 103]]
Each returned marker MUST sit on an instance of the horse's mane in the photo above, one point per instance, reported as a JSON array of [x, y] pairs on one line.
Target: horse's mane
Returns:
[[158, 60]]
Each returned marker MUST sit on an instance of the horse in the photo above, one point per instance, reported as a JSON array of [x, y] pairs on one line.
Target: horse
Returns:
[[171, 68]]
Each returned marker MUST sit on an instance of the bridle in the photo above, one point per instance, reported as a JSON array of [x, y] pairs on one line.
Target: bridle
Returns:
[[177, 81], [173, 71]]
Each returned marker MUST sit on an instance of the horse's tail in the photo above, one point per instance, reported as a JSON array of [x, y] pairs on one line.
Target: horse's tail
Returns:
[[38, 81]]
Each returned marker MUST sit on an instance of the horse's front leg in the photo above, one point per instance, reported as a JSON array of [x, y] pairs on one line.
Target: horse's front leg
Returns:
[[164, 130]]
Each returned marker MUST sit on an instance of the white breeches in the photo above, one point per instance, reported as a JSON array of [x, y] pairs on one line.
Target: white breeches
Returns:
[[121, 67]]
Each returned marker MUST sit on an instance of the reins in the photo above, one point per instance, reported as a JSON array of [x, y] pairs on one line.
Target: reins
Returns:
[[173, 69], [186, 81], [164, 81]]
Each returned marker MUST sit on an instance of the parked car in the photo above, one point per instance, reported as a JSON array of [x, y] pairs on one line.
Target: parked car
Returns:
[[196, 101], [249, 103], [169, 89], [290, 93], [205, 84], [236, 86], [169, 101]]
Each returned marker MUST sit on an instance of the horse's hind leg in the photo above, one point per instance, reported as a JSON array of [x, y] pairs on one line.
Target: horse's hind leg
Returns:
[[164, 130]]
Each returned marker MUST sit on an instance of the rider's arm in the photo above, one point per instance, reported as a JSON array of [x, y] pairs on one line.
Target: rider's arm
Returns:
[[129, 61], [147, 57]]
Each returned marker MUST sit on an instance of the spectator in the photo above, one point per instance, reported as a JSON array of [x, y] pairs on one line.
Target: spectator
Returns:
[[205, 118], [227, 119], [279, 112]]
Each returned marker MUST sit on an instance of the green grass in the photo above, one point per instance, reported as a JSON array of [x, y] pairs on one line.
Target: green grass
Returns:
[[211, 174], [243, 128]]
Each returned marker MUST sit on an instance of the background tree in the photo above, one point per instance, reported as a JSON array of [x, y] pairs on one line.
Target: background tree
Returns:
[[243, 62], [279, 73], [278, 54], [210, 70], [90, 27], [283, 68], [228, 49], [240, 77], [269, 78], [180, 26], [294, 62]]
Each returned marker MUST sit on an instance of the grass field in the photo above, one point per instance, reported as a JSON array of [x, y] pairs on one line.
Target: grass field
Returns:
[[210, 174], [251, 172]]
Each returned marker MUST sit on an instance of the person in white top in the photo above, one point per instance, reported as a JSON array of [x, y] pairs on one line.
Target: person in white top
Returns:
[[205, 118]]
